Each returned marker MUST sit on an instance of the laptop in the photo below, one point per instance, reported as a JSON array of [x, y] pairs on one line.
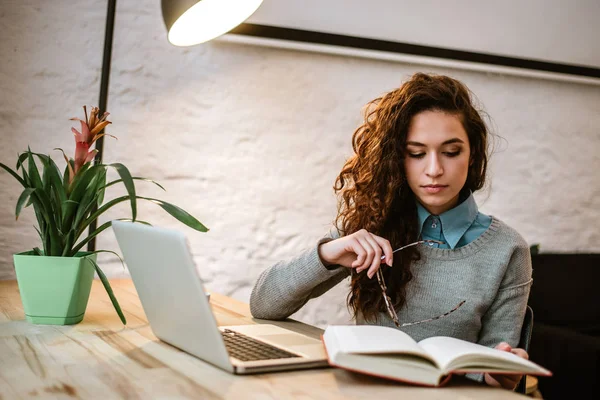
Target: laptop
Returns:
[[172, 295]]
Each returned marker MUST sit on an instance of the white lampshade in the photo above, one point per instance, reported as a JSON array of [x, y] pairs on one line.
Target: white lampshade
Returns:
[[191, 22]]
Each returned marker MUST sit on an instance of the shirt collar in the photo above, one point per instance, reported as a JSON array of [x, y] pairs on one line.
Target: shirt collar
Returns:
[[456, 221]]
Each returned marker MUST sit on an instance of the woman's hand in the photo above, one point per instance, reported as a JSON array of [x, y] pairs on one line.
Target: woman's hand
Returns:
[[360, 250], [506, 381]]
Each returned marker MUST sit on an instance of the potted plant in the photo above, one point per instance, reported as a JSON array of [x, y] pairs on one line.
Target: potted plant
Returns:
[[55, 279]]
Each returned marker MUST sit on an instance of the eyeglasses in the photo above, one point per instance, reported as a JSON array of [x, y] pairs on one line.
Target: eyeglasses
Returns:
[[388, 300]]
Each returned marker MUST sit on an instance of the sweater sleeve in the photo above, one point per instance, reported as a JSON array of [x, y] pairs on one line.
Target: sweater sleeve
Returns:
[[285, 287], [504, 319]]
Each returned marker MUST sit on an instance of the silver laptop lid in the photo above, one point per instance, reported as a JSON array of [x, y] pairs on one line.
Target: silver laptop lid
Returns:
[[168, 284]]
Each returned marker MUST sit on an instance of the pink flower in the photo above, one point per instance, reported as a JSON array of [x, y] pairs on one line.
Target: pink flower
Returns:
[[90, 132]]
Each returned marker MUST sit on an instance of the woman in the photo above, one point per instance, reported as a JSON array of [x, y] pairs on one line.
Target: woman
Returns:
[[418, 157]]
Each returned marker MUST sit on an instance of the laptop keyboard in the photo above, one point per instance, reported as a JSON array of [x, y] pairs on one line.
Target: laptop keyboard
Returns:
[[245, 348]]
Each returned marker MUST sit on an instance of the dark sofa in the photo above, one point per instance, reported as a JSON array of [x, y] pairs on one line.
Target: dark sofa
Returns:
[[565, 298]]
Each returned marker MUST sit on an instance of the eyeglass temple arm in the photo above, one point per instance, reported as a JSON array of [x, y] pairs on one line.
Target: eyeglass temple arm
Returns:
[[418, 242], [414, 244]]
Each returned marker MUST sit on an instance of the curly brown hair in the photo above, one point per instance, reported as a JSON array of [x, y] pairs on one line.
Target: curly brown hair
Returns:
[[372, 190]]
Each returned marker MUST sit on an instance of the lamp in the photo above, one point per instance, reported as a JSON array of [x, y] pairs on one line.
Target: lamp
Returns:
[[191, 22], [188, 22]]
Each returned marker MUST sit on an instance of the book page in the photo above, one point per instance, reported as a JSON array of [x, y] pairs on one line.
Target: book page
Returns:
[[452, 353], [405, 368], [370, 339]]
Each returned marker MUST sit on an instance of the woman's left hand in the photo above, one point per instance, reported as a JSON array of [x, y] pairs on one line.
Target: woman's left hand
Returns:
[[508, 381]]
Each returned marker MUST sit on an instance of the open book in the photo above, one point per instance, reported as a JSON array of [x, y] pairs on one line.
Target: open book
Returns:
[[390, 353]]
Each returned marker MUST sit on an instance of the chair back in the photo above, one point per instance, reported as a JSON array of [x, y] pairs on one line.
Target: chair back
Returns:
[[524, 342]]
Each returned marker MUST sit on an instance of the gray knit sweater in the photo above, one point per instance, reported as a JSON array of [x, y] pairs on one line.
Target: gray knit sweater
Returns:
[[492, 273]]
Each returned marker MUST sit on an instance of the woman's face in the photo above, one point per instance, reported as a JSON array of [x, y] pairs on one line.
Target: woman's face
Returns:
[[437, 159]]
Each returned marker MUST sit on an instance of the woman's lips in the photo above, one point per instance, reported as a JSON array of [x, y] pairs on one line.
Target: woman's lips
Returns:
[[433, 189]]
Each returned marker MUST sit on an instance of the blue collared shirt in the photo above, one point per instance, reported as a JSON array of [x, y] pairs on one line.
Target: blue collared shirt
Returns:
[[456, 227]]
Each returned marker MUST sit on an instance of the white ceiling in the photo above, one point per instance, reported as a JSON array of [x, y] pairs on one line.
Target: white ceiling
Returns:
[[560, 31]]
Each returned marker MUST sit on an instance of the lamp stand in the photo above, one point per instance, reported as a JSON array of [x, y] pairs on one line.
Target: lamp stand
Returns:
[[108, 40]]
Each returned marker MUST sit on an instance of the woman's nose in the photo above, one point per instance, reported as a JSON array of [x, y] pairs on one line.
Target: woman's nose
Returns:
[[434, 166]]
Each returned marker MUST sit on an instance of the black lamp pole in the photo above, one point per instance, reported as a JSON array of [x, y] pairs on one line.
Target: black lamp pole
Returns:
[[108, 39], [171, 10]]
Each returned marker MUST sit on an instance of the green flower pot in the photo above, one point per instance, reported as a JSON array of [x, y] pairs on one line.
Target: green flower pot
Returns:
[[54, 290]]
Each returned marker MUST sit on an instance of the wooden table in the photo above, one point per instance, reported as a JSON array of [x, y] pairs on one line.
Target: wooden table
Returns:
[[100, 358]]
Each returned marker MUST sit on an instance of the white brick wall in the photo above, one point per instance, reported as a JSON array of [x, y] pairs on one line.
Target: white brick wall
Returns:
[[250, 139]]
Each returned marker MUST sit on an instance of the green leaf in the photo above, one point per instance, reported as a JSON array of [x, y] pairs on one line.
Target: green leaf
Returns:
[[92, 199], [44, 208], [78, 188], [45, 180], [37, 251], [42, 238], [40, 212], [89, 208], [79, 245], [54, 174], [129, 185], [137, 221], [65, 175], [109, 290], [30, 202], [82, 180], [100, 189], [179, 214], [44, 228], [34, 174], [22, 157], [26, 178], [54, 202], [88, 201], [101, 228], [82, 212], [99, 212], [80, 173], [69, 239], [65, 204], [14, 174], [175, 211], [24, 195], [44, 158], [134, 178], [112, 252]]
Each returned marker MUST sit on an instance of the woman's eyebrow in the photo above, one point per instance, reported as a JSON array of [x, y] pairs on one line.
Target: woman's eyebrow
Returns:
[[449, 141]]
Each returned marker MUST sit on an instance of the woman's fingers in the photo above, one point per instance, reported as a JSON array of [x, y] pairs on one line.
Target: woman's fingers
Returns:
[[374, 247], [503, 346], [370, 253], [505, 381], [387, 249], [360, 252], [368, 249], [376, 261], [515, 350], [520, 352]]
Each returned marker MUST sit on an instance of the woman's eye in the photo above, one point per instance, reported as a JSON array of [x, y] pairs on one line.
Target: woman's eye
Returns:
[[452, 153], [416, 155]]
